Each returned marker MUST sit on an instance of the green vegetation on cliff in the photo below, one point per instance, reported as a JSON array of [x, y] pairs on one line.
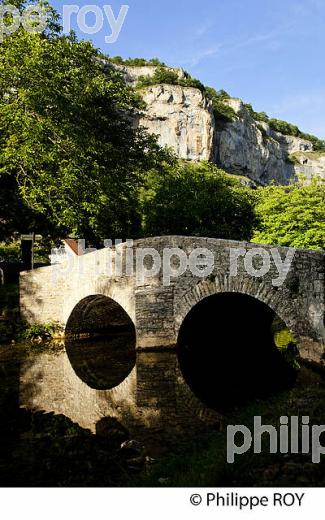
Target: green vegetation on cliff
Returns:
[[222, 111], [170, 77], [136, 62], [285, 128]]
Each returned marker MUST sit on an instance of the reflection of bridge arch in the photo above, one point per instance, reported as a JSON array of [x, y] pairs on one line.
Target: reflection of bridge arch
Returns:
[[102, 363]]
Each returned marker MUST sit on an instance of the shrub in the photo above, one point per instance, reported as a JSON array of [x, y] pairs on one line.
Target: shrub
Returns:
[[136, 62], [222, 111], [10, 252], [161, 75], [285, 128], [34, 332]]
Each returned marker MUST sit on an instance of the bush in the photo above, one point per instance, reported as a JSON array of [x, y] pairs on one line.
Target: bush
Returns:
[[291, 216], [222, 111], [34, 332], [161, 75], [169, 77], [136, 62], [10, 252], [285, 128]]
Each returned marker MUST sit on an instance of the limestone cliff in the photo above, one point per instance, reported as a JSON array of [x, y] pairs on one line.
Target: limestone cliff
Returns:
[[132, 74], [309, 163], [247, 147], [184, 120]]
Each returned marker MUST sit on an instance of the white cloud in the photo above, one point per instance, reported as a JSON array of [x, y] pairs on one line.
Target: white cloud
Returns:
[[203, 29], [197, 57], [301, 100]]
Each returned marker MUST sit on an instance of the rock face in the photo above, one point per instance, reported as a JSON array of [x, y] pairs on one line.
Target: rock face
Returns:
[[132, 74], [247, 147], [310, 164], [184, 120]]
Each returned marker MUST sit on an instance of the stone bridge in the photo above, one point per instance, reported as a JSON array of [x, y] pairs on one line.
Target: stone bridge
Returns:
[[102, 290]]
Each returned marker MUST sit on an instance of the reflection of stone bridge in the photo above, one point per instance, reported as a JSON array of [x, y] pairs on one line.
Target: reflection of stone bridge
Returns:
[[82, 297]]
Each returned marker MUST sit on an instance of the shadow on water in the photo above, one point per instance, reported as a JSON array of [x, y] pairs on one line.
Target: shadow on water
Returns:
[[62, 423], [227, 352], [47, 448]]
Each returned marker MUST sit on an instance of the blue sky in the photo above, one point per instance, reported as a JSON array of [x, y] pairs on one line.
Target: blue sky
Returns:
[[268, 52]]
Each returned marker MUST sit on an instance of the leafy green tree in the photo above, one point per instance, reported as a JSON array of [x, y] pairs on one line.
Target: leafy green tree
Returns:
[[199, 200], [292, 216], [68, 148]]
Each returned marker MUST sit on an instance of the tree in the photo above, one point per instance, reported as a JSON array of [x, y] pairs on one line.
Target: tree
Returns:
[[199, 200], [292, 216], [69, 150]]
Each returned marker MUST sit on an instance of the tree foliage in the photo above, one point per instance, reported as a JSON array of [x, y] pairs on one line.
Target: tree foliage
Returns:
[[292, 216], [199, 200], [165, 75], [222, 111], [73, 162], [68, 149]]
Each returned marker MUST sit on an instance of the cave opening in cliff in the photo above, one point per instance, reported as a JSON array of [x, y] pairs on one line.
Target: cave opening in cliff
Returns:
[[232, 349], [100, 342]]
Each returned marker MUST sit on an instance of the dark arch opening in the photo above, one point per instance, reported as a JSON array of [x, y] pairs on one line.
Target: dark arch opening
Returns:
[[100, 342], [228, 354]]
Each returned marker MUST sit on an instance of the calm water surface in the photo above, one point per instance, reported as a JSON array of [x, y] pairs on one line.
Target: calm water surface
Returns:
[[66, 411]]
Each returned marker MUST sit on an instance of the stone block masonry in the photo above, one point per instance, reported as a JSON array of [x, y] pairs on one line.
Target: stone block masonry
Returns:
[[50, 294]]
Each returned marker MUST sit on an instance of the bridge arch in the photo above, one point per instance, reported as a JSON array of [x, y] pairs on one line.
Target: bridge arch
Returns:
[[98, 314], [283, 307], [226, 348]]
